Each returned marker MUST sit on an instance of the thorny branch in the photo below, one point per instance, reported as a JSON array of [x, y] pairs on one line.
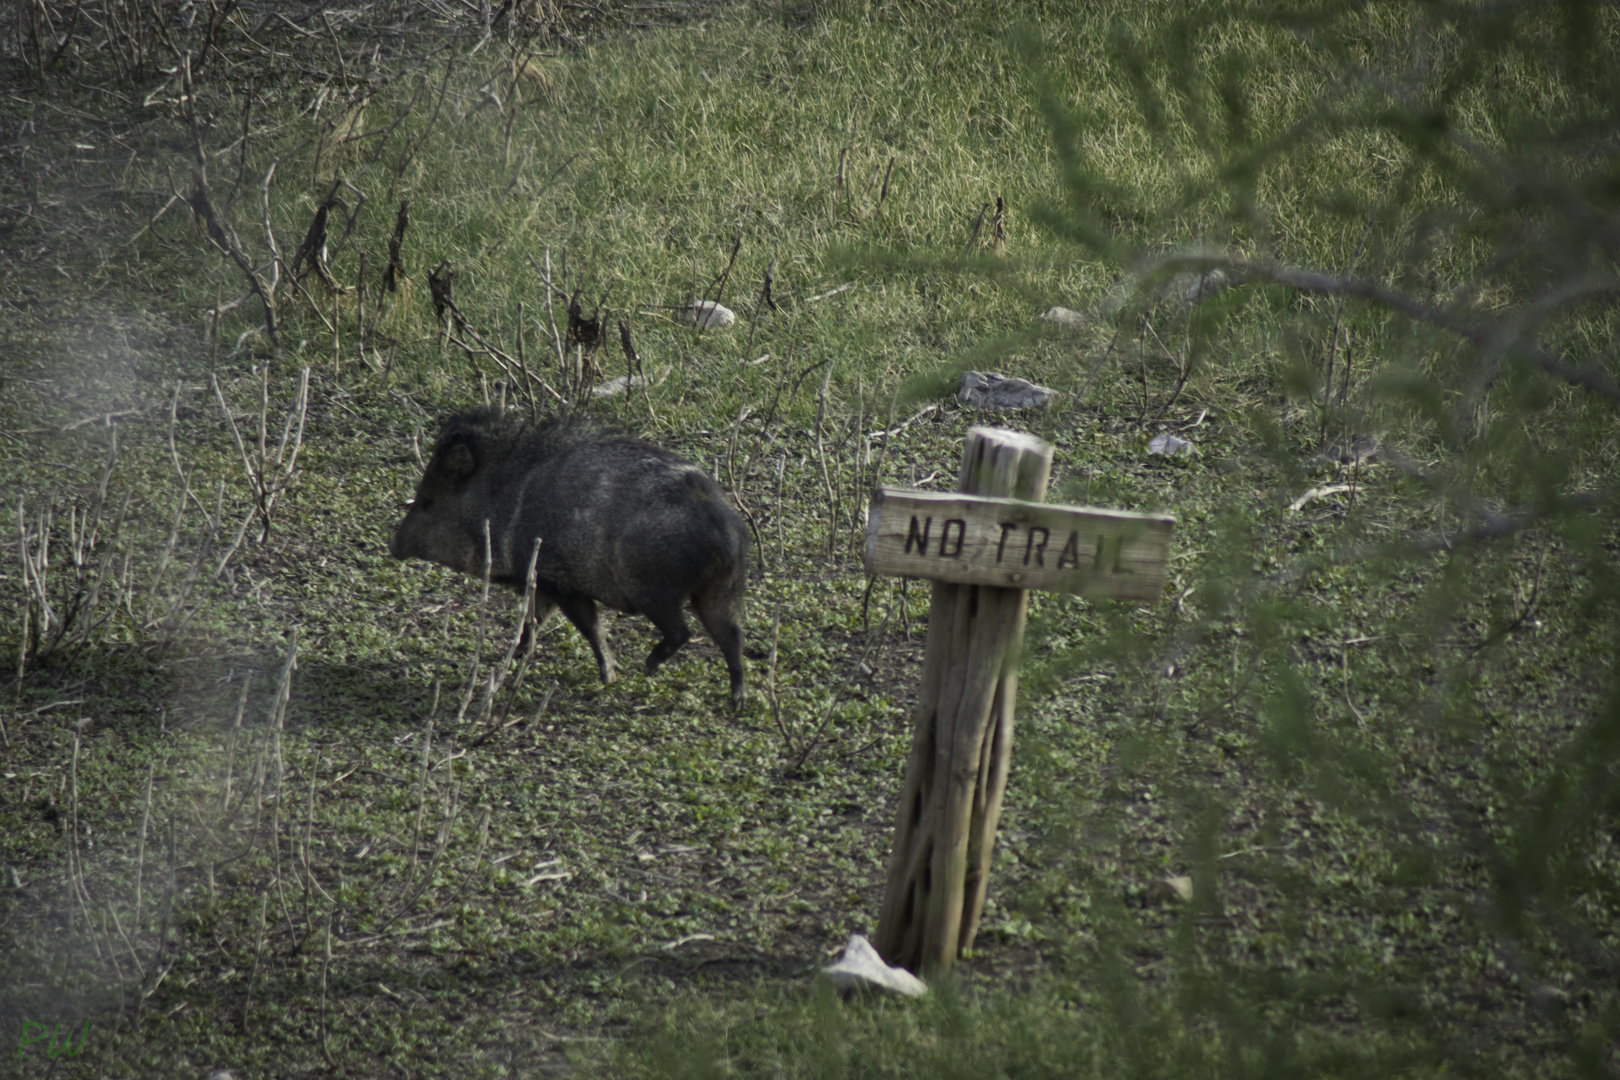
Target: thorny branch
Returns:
[[1495, 337], [219, 231]]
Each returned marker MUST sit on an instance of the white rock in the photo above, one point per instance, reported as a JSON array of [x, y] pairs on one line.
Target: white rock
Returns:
[[1065, 318], [708, 313], [1191, 287], [620, 383], [990, 391], [862, 967], [1169, 445], [616, 385]]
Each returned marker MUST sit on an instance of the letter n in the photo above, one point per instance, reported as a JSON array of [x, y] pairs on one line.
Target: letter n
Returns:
[[920, 539]]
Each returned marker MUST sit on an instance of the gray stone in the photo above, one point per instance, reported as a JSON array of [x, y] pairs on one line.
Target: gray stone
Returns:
[[1353, 450], [1065, 318], [1169, 445], [990, 391], [1190, 288], [617, 385], [620, 383], [708, 313]]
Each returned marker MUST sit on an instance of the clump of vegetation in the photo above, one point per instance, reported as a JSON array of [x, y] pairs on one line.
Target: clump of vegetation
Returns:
[[1343, 802]]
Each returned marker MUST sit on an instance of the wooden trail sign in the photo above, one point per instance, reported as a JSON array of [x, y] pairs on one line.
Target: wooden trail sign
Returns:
[[975, 540], [983, 546]]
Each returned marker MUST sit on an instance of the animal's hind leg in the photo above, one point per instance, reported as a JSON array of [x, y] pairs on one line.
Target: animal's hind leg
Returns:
[[543, 607], [716, 614], [666, 615], [581, 611]]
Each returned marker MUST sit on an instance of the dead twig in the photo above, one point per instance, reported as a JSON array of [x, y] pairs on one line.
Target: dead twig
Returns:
[[270, 473]]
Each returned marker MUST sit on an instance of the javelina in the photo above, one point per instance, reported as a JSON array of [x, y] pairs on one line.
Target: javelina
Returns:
[[620, 521]]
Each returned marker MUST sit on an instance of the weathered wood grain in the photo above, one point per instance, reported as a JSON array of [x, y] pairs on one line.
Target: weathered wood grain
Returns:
[[950, 803], [1013, 543]]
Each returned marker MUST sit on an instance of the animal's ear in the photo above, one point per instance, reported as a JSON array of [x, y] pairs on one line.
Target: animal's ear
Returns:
[[458, 462]]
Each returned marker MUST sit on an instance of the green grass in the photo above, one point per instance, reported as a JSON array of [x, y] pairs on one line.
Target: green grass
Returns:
[[1388, 770]]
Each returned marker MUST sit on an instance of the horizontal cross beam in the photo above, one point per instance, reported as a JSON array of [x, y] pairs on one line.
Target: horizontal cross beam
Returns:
[[978, 540]]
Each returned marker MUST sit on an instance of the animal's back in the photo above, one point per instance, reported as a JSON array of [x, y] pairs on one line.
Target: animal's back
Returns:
[[660, 521]]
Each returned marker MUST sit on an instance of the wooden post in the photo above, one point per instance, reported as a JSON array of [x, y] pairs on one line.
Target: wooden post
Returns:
[[951, 801], [984, 547]]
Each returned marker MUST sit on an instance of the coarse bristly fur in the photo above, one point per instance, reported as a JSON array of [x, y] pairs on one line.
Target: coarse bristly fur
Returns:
[[619, 521]]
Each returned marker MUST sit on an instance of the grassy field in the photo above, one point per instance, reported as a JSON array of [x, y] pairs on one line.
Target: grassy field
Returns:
[[275, 803]]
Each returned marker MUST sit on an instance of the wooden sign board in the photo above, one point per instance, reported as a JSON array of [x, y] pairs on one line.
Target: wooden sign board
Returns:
[[975, 540]]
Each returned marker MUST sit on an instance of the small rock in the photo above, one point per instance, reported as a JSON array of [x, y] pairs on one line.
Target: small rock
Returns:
[[1169, 445], [990, 391], [620, 383], [1179, 886], [616, 385], [1356, 450], [1190, 288], [1548, 994], [861, 967], [708, 313], [1065, 318]]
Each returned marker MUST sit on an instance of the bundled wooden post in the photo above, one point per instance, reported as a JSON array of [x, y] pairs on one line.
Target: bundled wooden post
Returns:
[[984, 547], [951, 801]]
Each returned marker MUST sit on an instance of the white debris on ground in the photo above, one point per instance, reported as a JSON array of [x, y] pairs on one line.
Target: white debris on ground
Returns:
[[862, 968], [1355, 450], [1191, 287], [1318, 493], [990, 391], [1065, 318], [1180, 886], [708, 313], [620, 383], [617, 385], [1169, 445]]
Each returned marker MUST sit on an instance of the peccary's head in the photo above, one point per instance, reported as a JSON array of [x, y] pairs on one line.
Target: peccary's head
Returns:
[[458, 494]]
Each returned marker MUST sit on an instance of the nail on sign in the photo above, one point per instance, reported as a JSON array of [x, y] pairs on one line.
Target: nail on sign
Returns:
[[973, 540]]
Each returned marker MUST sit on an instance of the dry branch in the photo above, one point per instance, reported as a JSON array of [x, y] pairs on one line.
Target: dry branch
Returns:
[[269, 472], [219, 230], [1496, 338]]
